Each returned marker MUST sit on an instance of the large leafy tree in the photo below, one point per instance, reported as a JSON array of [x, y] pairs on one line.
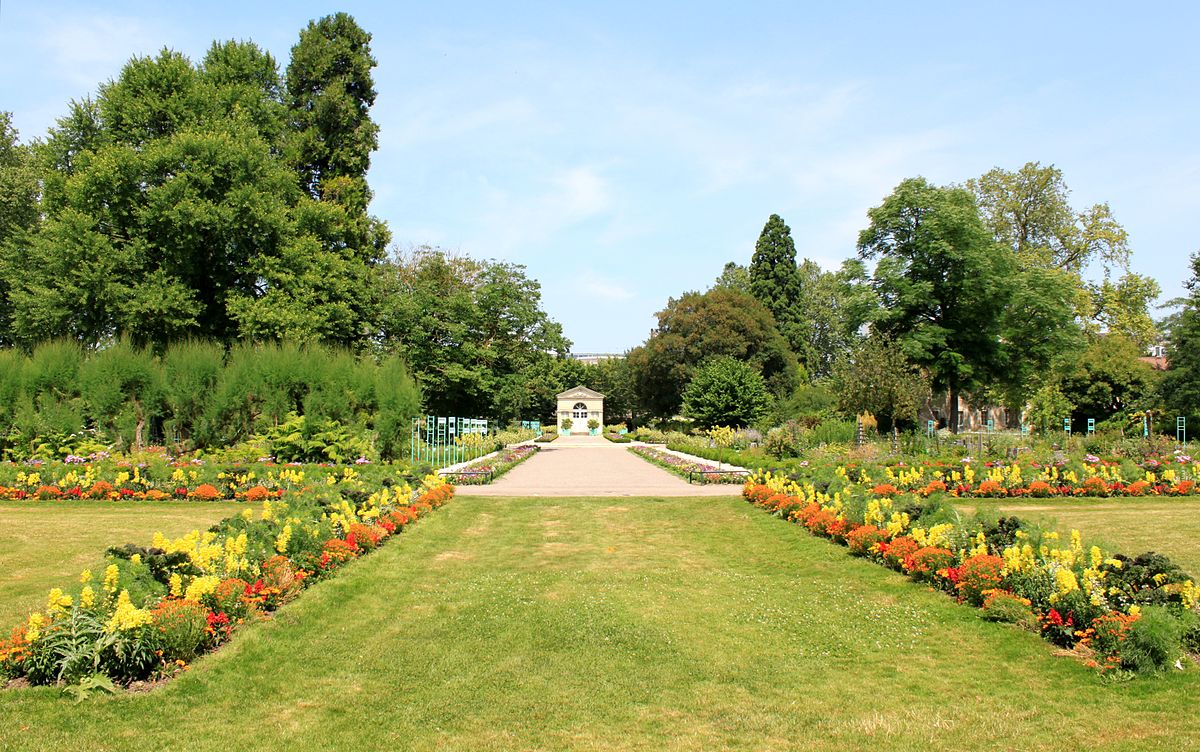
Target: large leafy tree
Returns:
[[1039, 332], [877, 378], [169, 209], [835, 306], [474, 333], [330, 92], [1108, 379], [725, 392], [942, 284], [696, 327], [1029, 211], [19, 190], [1181, 383]]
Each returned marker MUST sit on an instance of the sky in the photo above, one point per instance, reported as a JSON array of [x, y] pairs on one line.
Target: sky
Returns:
[[625, 151]]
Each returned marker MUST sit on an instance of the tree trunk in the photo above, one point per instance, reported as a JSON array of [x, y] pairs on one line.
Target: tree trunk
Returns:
[[954, 408], [141, 423]]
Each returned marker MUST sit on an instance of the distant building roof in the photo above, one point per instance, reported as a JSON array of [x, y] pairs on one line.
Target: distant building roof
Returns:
[[1157, 362], [580, 392]]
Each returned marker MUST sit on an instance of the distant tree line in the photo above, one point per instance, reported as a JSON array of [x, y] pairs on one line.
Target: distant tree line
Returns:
[[980, 290], [225, 201]]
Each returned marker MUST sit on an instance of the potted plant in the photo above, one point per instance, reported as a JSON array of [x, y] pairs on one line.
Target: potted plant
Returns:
[[593, 426], [566, 426]]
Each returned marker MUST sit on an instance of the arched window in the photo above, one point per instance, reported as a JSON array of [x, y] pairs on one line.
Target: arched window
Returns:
[[581, 411]]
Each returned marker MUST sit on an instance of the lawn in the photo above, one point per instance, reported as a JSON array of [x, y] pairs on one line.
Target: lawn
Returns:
[[638, 624], [1169, 526], [47, 544]]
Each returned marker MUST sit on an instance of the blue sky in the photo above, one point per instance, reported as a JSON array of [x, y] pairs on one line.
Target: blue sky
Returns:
[[625, 151]]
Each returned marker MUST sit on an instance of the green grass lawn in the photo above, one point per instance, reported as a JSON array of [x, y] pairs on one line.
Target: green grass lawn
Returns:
[[47, 544], [631, 624], [1128, 525]]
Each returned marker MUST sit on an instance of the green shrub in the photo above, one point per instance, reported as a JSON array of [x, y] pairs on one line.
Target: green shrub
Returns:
[[299, 439], [1154, 643], [191, 370], [121, 386], [1008, 608], [397, 402]]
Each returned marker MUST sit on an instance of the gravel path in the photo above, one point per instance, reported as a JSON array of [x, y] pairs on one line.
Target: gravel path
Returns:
[[592, 466]]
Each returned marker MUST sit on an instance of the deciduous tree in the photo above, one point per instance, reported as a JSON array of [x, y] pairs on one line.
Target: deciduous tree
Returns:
[[942, 284], [696, 327], [725, 392]]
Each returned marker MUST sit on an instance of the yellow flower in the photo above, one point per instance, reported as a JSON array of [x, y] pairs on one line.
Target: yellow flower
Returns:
[[34, 628], [136, 559], [85, 576], [201, 586], [281, 542], [127, 616], [111, 575], [1066, 581], [57, 602], [87, 597], [176, 585], [1135, 610]]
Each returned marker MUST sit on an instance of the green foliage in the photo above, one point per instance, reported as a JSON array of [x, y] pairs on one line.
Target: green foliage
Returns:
[[1108, 379], [1154, 642], [300, 439], [191, 370], [1048, 407], [696, 327], [397, 402], [474, 334], [879, 380], [170, 208], [330, 93], [773, 278], [1039, 332], [1029, 211], [1181, 383], [726, 392], [942, 284], [834, 306], [122, 387]]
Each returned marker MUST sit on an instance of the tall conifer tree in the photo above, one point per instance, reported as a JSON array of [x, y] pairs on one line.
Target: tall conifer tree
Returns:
[[775, 282]]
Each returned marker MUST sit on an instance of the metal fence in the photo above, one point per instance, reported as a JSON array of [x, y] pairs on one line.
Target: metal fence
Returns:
[[443, 441]]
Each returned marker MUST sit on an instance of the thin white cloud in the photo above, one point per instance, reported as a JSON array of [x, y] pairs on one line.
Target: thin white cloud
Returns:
[[86, 49], [607, 290]]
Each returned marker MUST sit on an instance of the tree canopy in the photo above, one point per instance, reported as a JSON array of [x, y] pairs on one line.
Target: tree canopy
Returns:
[[942, 283], [168, 211], [699, 326], [725, 392]]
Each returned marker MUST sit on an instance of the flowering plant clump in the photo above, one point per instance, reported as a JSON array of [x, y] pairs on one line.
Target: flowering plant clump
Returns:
[[487, 469], [154, 609], [693, 470], [979, 575], [865, 540], [895, 552], [1071, 593]]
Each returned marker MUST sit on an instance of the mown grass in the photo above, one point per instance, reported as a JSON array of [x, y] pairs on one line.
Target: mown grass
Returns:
[[638, 624], [46, 544], [1131, 526]]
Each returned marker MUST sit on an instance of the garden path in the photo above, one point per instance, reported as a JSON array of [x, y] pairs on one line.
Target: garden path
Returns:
[[591, 466]]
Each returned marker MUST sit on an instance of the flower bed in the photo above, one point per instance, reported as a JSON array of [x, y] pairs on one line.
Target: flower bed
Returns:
[[1117, 612], [693, 472], [158, 479], [156, 608], [485, 470], [617, 438]]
